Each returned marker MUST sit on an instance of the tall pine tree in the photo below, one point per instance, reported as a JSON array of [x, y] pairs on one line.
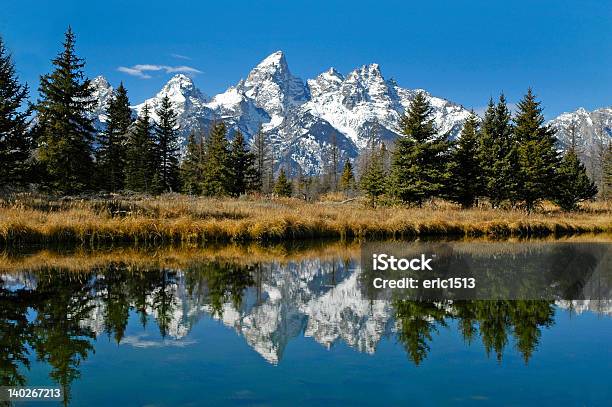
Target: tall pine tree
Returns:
[[418, 169], [65, 129], [167, 147], [140, 155], [192, 166], [242, 165], [15, 140], [283, 186], [573, 184], [498, 153], [537, 155], [467, 175], [217, 174], [110, 156], [347, 179], [373, 180]]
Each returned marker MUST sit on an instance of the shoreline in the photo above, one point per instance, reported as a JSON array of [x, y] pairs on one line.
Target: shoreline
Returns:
[[181, 219]]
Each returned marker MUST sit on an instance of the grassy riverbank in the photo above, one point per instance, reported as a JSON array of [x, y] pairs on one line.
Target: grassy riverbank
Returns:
[[180, 219]]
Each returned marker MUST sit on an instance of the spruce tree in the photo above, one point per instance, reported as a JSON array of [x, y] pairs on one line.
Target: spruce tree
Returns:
[[347, 179], [573, 184], [192, 166], [65, 129], [418, 168], [242, 165], [373, 179], [140, 155], [467, 175], [498, 153], [504, 178], [167, 147], [607, 173], [15, 141], [110, 156], [537, 155], [217, 173], [283, 186]]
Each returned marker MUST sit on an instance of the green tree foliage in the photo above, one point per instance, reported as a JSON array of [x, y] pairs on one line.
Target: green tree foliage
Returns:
[[140, 157], [242, 165], [418, 169], [573, 184], [111, 153], [217, 174], [15, 141], [347, 179], [498, 154], [167, 147], [65, 130], [467, 174], [373, 180], [192, 167], [537, 155], [283, 186], [607, 173]]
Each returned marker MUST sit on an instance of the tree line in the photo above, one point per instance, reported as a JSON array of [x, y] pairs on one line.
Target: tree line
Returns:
[[507, 160]]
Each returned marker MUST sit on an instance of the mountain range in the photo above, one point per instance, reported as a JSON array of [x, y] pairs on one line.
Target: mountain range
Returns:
[[303, 120]]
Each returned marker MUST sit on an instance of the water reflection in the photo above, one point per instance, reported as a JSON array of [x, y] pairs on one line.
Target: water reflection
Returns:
[[55, 314]]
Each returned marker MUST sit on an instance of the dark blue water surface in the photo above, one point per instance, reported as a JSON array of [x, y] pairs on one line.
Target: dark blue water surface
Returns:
[[289, 333]]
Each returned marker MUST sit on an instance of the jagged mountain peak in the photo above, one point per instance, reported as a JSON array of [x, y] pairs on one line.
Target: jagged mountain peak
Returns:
[[180, 86], [273, 87]]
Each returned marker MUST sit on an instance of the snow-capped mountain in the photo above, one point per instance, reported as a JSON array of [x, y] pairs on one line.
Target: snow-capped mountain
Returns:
[[102, 92], [187, 100], [591, 132], [302, 120]]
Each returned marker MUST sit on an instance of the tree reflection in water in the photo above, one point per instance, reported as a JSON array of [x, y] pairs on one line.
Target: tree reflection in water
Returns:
[[57, 314]]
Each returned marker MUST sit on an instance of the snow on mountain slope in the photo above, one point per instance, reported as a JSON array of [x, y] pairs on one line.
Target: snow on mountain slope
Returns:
[[102, 92], [592, 131], [188, 102], [365, 106]]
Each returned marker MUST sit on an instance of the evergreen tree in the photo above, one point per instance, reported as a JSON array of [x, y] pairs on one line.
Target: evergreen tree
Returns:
[[347, 180], [283, 186], [537, 155], [65, 130], [167, 147], [192, 166], [15, 141], [504, 178], [467, 178], [140, 157], [263, 163], [418, 168], [573, 184], [498, 153], [216, 177], [242, 165], [110, 156], [373, 179], [607, 173]]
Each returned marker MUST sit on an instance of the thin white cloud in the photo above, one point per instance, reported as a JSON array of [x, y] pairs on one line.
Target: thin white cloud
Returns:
[[179, 56], [140, 70]]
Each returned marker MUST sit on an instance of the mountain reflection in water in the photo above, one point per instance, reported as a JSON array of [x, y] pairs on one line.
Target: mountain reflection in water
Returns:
[[53, 313]]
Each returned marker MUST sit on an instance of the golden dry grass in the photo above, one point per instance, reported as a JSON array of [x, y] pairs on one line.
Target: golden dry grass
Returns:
[[181, 219], [86, 259]]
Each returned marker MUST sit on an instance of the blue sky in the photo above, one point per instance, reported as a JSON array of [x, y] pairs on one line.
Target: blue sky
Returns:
[[464, 51]]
